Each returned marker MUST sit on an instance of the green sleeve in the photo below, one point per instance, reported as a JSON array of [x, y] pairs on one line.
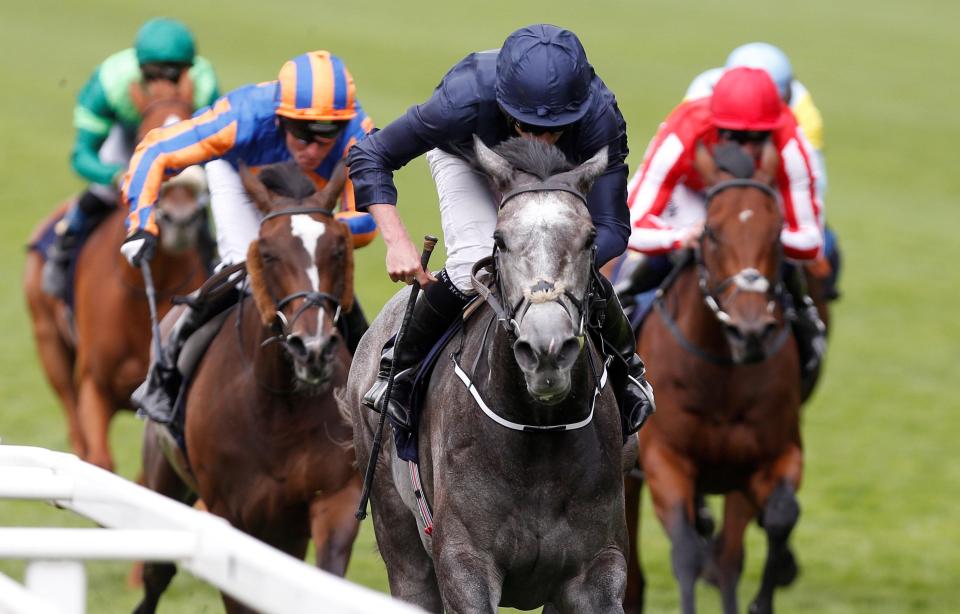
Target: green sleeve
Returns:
[[85, 159], [205, 87], [92, 118]]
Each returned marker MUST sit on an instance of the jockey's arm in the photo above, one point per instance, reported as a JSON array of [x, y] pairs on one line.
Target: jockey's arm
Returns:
[[92, 118], [166, 151], [802, 234], [648, 194]]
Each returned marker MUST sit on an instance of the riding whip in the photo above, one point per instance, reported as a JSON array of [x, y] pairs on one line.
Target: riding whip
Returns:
[[429, 242], [152, 304]]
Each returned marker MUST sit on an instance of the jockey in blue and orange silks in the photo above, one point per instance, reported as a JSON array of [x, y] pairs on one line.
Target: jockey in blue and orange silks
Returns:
[[309, 115]]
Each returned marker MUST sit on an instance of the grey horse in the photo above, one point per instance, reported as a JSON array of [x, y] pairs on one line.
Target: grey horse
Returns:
[[520, 518]]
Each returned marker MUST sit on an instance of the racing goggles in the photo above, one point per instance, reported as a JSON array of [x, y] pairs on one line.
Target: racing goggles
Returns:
[[536, 130], [744, 137], [311, 131], [168, 71]]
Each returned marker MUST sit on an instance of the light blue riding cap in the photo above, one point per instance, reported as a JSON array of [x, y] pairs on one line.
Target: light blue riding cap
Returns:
[[767, 57]]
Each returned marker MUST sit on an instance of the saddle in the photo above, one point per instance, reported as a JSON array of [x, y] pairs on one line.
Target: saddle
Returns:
[[48, 236]]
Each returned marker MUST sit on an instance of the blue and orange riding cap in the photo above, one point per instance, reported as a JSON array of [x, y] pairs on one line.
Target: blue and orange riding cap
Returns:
[[316, 86]]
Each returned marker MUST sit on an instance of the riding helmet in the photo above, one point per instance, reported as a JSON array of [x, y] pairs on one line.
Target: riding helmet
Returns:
[[746, 99], [164, 40], [770, 59], [316, 86], [543, 77]]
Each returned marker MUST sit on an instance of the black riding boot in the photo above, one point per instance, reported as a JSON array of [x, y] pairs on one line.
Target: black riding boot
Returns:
[[89, 209], [353, 325], [435, 310], [634, 393], [808, 328], [156, 396]]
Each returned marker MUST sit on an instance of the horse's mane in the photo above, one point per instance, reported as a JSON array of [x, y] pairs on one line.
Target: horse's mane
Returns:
[[533, 156], [286, 179]]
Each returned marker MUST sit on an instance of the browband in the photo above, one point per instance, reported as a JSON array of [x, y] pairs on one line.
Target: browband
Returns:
[[541, 186], [296, 211]]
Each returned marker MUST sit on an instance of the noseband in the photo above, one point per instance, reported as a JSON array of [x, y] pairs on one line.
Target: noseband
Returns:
[[310, 298], [748, 280]]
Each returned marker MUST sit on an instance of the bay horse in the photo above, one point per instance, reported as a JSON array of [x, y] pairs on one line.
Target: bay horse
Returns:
[[96, 356], [725, 367], [266, 446], [522, 466]]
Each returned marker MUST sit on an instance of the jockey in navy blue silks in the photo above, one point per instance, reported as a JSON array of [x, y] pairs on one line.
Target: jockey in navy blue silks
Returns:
[[538, 85]]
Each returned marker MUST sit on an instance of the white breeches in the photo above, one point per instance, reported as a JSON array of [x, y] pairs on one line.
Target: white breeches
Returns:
[[117, 149], [236, 217], [468, 214]]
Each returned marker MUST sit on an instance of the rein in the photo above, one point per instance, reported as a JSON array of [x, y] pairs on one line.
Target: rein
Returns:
[[747, 280]]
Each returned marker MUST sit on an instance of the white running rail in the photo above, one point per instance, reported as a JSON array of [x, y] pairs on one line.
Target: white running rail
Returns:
[[144, 525]]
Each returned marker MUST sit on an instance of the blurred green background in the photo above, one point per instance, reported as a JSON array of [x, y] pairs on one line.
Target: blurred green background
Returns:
[[880, 525]]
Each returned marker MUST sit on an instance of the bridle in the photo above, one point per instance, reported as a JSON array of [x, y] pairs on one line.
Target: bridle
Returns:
[[748, 280], [543, 291], [282, 325]]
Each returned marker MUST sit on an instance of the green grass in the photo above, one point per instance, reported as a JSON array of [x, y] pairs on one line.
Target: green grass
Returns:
[[880, 522]]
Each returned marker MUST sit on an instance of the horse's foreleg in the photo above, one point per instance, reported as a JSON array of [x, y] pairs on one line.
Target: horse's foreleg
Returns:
[[410, 569], [726, 564], [600, 588], [57, 359], [334, 527], [636, 582], [776, 489], [156, 579], [469, 581], [94, 411], [671, 481]]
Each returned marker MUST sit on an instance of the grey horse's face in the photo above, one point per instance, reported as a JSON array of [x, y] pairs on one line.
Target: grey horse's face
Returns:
[[180, 214], [545, 244]]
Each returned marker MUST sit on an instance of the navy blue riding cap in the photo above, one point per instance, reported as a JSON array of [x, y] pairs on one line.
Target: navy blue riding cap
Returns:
[[543, 77]]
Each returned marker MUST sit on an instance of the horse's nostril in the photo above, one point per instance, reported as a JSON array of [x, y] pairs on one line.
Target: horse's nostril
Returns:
[[734, 332], [568, 353], [525, 355], [296, 346]]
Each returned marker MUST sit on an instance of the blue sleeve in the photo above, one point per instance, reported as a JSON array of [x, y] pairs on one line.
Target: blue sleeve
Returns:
[[373, 160], [607, 203], [607, 200]]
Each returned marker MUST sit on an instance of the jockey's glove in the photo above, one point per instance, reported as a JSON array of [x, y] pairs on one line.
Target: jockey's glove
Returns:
[[138, 247]]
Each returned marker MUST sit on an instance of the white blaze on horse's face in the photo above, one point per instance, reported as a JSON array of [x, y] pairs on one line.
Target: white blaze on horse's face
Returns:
[[309, 231]]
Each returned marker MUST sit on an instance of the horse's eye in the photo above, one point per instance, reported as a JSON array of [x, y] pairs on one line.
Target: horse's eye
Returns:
[[710, 233], [267, 257], [498, 239], [591, 239]]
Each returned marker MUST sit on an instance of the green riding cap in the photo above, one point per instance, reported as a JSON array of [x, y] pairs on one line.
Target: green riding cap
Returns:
[[164, 40]]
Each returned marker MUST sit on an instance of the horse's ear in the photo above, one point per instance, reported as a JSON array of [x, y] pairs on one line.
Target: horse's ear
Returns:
[[584, 175], [705, 165], [346, 298], [769, 164], [138, 96], [326, 198], [258, 285], [185, 88], [255, 188], [494, 165]]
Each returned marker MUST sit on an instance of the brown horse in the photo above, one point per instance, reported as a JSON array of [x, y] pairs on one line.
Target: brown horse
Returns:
[[266, 445], [95, 357], [726, 371]]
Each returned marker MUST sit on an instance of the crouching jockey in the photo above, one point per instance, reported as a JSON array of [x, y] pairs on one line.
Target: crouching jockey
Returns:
[[539, 86], [667, 199], [107, 119], [310, 115]]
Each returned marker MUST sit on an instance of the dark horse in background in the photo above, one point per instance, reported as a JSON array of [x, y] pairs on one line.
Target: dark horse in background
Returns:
[[725, 368], [95, 357], [266, 445], [520, 518]]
